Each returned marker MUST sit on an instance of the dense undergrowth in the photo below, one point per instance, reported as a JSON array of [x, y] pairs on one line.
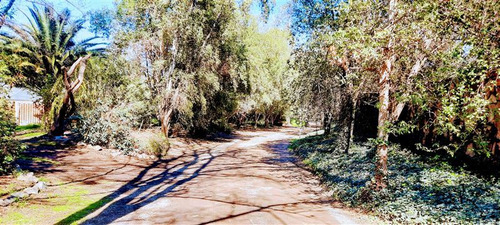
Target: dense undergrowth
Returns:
[[420, 189]]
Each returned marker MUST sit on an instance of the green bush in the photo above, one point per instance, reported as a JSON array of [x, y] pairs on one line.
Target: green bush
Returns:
[[9, 148], [96, 129], [158, 146], [420, 189]]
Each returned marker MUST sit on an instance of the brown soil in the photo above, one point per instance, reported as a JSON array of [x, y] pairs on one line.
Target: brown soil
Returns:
[[248, 179]]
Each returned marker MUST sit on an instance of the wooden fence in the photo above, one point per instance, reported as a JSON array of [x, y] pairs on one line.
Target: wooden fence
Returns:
[[27, 112]]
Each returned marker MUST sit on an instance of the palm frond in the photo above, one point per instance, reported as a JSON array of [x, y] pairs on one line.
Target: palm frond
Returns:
[[20, 32], [87, 40], [47, 43]]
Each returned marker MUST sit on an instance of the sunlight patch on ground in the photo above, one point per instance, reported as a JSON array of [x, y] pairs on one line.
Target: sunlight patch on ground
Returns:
[[56, 205]]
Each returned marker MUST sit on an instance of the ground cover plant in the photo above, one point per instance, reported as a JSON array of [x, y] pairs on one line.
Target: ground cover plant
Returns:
[[420, 189]]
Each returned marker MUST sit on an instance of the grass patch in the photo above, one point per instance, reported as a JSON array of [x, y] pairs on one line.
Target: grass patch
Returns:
[[158, 146], [297, 123], [17, 218], [30, 135], [9, 189], [75, 217], [420, 190], [66, 205], [27, 127], [44, 179]]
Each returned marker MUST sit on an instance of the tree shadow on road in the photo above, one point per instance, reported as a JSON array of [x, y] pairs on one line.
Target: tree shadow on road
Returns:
[[145, 188]]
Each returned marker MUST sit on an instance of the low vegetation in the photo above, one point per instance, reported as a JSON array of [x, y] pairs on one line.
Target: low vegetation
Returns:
[[420, 189], [158, 146], [105, 132], [71, 199], [29, 127], [9, 148]]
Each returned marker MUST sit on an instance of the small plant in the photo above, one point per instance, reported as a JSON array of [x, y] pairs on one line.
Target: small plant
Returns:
[[158, 146]]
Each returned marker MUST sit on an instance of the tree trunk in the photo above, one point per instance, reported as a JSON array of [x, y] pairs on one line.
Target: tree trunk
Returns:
[[165, 122], [345, 119], [384, 112], [353, 119], [257, 117], [327, 124], [382, 135], [57, 127]]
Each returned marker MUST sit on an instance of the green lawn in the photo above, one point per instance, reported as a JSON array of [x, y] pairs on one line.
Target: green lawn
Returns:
[[30, 135], [63, 205], [27, 127]]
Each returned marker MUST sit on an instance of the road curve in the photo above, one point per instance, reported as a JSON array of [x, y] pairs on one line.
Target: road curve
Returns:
[[249, 179]]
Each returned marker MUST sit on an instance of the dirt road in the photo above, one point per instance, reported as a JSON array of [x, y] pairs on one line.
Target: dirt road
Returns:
[[248, 179], [251, 179]]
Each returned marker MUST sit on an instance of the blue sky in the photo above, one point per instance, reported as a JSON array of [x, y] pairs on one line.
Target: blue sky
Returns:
[[80, 8], [277, 18]]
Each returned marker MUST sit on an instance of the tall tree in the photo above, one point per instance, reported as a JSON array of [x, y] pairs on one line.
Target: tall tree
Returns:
[[189, 53], [267, 54], [68, 105], [384, 98]]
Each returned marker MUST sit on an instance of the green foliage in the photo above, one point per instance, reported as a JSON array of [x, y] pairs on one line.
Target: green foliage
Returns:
[[9, 148], [188, 56], [36, 53], [420, 190], [27, 127], [97, 128], [297, 123], [317, 85], [110, 83], [158, 146], [267, 54], [444, 69]]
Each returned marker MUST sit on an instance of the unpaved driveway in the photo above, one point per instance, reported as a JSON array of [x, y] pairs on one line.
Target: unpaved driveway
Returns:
[[249, 179]]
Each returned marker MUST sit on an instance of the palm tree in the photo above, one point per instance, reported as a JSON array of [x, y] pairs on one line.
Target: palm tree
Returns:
[[47, 46], [5, 10]]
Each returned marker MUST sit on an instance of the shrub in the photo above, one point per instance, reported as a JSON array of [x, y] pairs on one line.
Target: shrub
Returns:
[[158, 145], [9, 148], [96, 129], [420, 189]]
